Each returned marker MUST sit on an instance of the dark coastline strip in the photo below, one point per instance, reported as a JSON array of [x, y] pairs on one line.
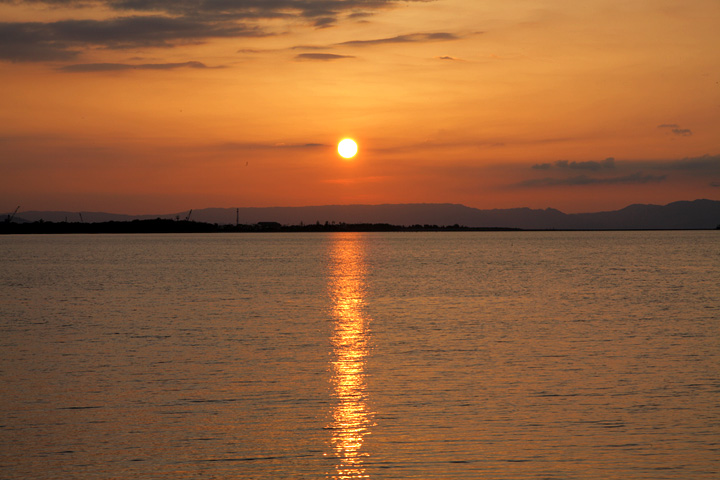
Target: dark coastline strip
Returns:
[[184, 226], [160, 225]]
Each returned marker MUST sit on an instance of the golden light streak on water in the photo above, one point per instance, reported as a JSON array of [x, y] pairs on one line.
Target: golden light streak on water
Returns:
[[351, 417]]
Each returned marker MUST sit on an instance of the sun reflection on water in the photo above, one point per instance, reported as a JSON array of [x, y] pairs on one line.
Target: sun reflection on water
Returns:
[[351, 419]]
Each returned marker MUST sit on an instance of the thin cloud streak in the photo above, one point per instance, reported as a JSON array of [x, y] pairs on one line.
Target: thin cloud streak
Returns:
[[235, 9], [676, 130], [608, 163], [254, 8], [263, 146], [361, 15], [707, 164], [584, 180], [683, 132], [408, 38], [325, 22], [323, 57], [114, 67], [400, 39], [499, 142]]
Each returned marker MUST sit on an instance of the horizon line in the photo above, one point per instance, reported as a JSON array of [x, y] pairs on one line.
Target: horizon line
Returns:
[[20, 212]]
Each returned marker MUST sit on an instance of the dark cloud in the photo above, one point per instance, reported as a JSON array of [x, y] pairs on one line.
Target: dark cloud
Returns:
[[308, 47], [675, 129], [607, 164], [360, 15], [324, 22], [32, 42], [705, 165], [167, 23], [63, 40], [113, 67], [715, 184], [542, 166], [408, 38], [321, 56], [638, 178], [683, 132], [446, 57], [238, 9], [143, 31]]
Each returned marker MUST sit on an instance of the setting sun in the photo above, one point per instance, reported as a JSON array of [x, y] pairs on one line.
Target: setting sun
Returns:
[[347, 148]]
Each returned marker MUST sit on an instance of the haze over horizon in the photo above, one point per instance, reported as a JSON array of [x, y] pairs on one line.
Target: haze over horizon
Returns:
[[143, 107], [189, 211]]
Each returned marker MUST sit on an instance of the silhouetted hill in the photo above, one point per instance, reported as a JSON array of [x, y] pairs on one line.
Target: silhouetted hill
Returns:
[[61, 216], [697, 214], [676, 215]]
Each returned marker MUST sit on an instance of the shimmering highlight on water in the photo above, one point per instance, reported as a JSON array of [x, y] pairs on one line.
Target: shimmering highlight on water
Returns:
[[351, 418]]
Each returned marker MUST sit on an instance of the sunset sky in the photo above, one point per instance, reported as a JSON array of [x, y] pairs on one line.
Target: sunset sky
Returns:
[[134, 106]]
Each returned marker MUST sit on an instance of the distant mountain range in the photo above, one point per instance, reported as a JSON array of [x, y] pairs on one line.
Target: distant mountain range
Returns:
[[697, 214]]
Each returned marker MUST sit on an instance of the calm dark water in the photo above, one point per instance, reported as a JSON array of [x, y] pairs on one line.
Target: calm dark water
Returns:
[[558, 355]]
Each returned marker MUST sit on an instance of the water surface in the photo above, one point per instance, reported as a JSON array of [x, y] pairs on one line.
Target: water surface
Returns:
[[496, 355]]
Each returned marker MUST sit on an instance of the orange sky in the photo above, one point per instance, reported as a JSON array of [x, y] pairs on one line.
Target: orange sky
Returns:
[[132, 106]]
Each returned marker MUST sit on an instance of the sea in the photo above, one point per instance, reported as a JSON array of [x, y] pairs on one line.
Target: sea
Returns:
[[403, 355]]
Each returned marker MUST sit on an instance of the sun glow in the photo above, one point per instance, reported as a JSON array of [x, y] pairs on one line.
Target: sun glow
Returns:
[[347, 148]]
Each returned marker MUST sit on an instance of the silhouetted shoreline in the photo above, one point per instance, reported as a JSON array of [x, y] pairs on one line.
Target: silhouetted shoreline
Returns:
[[160, 225], [682, 215]]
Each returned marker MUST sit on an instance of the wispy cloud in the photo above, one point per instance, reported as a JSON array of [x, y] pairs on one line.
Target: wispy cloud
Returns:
[[321, 56], [707, 164], [408, 38], [325, 22], [309, 47], [252, 8], [360, 15], [637, 177], [542, 166], [399, 39], [264, 146], [608, 163], [113, 67], [676, 130], [627, 171]]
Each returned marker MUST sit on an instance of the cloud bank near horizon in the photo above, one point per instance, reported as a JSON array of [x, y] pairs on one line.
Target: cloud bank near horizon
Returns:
[[706, 165]]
